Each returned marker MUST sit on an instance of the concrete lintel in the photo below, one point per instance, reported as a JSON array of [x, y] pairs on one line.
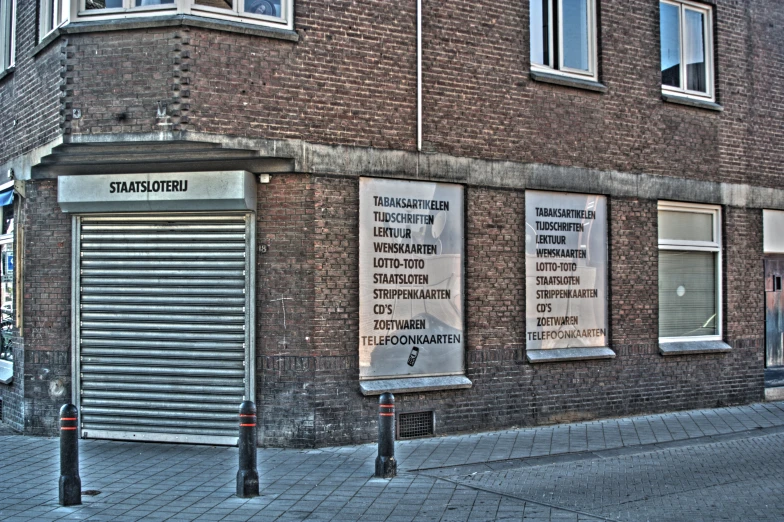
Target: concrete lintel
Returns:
[[342, 160], [414, 384], [22, 164], [693, 347], [568, 354]]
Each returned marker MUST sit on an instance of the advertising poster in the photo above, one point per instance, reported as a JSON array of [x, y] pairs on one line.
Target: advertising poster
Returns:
[[566, 270], [410, 279]]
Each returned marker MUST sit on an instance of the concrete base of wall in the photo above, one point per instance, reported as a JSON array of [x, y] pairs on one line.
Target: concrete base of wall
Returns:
[[774, 394]]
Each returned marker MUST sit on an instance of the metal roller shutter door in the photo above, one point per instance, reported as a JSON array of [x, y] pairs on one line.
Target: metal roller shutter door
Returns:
[[163, 334]]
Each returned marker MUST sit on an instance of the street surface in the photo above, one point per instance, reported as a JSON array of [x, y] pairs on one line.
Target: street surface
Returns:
[[703, 465]]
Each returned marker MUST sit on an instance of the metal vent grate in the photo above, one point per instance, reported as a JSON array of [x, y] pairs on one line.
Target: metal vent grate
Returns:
[[413, 425]]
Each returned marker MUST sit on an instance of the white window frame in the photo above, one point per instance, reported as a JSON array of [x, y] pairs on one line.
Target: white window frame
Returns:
[[698, 246], [76, 11], [52, 15], [592, 72], [707, 11], [7, 41]]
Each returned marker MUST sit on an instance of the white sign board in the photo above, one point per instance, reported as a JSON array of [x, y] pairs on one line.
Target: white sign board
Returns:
[[773, 231], [566, 270], [220, 190], [410, 279]]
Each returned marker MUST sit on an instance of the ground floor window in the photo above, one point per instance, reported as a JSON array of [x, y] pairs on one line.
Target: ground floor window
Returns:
[[689, 272]]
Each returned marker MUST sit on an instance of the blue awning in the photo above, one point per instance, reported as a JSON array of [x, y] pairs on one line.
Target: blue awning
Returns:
[[6, 198]]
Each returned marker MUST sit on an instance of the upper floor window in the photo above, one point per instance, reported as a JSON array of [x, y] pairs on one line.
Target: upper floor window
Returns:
[[686, 48], [53, 14], [7, 30], [563, 36], [272, 13]]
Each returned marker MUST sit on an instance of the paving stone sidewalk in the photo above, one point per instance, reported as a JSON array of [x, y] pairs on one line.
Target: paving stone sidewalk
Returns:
[[698, 465]]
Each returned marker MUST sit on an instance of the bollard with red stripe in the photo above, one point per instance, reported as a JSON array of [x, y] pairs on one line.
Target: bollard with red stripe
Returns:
[[70, 482], [247, 476], [386, 465]]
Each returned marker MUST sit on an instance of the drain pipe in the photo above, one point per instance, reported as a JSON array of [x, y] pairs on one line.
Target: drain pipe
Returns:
[[419, 75]]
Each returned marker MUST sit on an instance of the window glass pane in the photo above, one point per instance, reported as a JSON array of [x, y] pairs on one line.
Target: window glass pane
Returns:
[[52, 21], [669, 21], [263, 7], [687, 294], [104, 4], [685, 226], [694, 47], [575, 34], [140, 3], [540, 41]]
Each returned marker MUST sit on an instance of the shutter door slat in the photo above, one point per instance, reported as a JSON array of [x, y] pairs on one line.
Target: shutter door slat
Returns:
[[162, 326]]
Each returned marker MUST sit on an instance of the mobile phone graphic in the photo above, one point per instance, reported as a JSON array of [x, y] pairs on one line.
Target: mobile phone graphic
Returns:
[[412, 357]]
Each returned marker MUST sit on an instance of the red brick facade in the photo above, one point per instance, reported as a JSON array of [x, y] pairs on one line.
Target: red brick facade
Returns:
[[350, 81]]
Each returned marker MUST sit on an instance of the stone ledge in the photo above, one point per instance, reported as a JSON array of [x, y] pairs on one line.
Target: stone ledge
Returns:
[[567, 81], [568, 354], [8, 72], [691, 102], [172, 20], [6, 372], [414, 384], [693, 347], [774, 394]]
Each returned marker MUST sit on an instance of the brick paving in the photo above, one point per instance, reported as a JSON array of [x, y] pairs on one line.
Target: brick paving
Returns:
[[722, 464]]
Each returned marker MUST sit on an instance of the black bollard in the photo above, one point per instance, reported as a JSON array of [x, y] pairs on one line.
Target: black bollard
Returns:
[[386, 465], [70, 482], [247, 476]]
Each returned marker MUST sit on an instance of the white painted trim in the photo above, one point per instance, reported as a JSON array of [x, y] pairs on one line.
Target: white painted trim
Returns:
[[8, 44], [560, 69], [699, 246], [592, 58], [707, 12], [80, 13]]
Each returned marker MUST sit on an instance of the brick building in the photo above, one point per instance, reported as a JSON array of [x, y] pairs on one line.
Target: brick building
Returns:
[[508, 214]]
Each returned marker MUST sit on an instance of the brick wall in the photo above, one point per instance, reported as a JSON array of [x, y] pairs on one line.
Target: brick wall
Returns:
[[764, 133], [31, 96], [351, 80], [121, 79], [507, 391], [12, 395], [284, 308], [47, 308]]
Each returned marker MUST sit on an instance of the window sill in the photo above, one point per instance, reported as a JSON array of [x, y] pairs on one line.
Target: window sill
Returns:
[[693, 347], [176, 20], [414, 384], [691, 102], [567, 81], [7, 73], [568, 354]]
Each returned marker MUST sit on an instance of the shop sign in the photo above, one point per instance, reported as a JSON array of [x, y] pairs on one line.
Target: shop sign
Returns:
[[171, 191], [410, 279], [566, 270]]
